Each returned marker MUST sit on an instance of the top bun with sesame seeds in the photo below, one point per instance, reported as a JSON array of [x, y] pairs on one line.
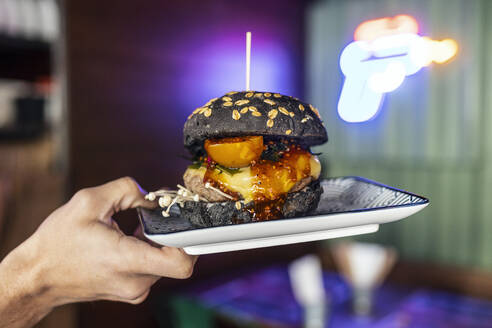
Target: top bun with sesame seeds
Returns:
[[251, 113]]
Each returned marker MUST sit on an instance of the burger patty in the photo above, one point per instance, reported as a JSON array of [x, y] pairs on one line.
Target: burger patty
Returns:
[[193, 180]]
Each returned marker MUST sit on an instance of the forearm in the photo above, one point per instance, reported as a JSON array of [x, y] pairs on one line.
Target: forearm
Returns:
[[25, 298]]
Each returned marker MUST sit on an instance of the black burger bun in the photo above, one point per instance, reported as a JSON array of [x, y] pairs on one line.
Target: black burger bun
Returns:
[[245, 113], [203, 214]]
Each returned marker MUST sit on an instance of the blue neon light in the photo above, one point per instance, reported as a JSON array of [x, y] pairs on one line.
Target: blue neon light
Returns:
[[372, 69]]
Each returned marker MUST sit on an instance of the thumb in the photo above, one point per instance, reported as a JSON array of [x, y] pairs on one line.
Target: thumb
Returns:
[[122, 194]]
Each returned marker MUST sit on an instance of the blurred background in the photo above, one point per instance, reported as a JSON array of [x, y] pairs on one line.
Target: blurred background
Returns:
[[94, 90]]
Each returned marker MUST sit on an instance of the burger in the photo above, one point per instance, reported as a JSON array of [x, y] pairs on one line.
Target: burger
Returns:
[[251, 159]]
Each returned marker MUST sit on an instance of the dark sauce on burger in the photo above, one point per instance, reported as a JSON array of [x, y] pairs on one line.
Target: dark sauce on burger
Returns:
[[272, 179]]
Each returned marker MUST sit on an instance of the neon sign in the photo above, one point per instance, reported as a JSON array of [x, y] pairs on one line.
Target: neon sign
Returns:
[[384, 52]]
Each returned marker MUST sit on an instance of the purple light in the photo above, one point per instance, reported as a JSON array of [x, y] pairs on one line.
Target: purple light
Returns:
[[218, 67]]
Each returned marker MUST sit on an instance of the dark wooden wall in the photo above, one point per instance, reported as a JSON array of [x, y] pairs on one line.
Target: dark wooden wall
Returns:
[[136, 69]]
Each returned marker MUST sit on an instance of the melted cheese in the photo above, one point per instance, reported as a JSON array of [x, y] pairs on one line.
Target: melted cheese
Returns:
[[261, 184]]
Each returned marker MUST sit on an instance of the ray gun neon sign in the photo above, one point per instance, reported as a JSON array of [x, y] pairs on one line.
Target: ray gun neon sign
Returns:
[[384, 52]]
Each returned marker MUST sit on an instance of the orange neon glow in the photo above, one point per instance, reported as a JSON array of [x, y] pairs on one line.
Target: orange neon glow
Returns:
[[373, 29], [444, 50], [434, 51]]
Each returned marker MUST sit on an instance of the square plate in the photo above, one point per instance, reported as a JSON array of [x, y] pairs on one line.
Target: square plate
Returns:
[[348, 206]]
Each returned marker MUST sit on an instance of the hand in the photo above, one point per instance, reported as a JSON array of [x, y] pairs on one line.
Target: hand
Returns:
[[80, 254]]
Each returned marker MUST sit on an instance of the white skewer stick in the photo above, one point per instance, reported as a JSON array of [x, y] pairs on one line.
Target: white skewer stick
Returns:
[[248, 58]]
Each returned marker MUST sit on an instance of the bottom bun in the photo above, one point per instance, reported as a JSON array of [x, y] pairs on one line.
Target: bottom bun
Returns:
[[205, 214]]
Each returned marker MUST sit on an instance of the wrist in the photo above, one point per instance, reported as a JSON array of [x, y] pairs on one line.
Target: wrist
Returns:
[[23, 283]]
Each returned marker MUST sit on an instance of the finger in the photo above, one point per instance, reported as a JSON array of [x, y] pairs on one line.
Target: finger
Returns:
[[132, 300], [195, 259], [139, 299], [143, 258], [125, 193]]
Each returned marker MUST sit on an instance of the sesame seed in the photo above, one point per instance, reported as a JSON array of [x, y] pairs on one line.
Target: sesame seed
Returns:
[[301, 107], [197, 110], [238, 205], [270, 102], [258, 95], [268, 94], [227, 104], [283, 110], [291, 114], [277, 95], [231, 93], [288, 132], [256, 113], [207, 112], [226, 99], [202, 110], [304, 120], [272, 114], [244, 110], [236, 115], [241, 102], [249, 95], [270, 123], [315, 111], [210, 102]]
